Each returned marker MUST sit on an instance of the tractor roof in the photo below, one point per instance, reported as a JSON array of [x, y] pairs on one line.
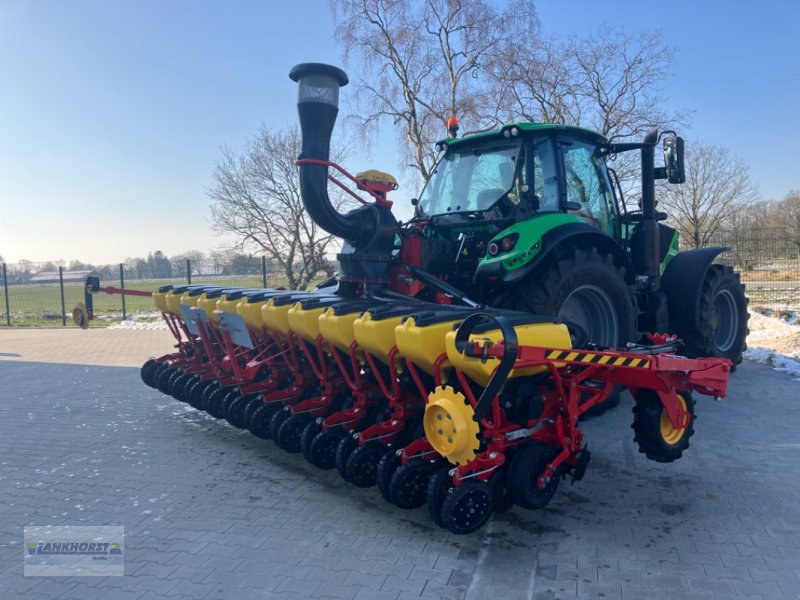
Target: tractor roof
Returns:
[[525, 127]]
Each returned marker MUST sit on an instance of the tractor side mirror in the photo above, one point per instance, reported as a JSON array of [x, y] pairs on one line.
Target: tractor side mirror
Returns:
[[673, 159]]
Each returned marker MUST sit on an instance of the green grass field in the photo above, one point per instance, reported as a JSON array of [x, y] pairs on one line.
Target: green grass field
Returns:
[[39, 305]]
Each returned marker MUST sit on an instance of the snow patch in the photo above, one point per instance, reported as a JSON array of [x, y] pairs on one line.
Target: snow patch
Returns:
[[774, 342], [134, 323]]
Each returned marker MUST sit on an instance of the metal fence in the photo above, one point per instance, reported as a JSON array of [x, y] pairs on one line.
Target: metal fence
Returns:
[[44, 294], [768, 260]]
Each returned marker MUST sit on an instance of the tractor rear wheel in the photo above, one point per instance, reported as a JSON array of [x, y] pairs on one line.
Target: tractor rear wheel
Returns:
[[722, 320], [585, 287], [526, 467], [657, 438]]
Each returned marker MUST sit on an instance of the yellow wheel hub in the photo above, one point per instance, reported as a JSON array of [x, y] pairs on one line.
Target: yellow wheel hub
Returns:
[[672, 435], [449, 425], [80, 316]]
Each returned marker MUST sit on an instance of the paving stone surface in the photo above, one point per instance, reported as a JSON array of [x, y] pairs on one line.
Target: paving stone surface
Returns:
[[212, 512]]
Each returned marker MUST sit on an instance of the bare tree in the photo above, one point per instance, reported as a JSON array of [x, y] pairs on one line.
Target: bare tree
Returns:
[[717, 188], [256, 197], [788, 210], [609, 81], [425, 60]]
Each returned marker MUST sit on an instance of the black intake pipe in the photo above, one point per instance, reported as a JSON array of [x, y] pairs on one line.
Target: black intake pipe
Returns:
[[317, 106], [370, 229]]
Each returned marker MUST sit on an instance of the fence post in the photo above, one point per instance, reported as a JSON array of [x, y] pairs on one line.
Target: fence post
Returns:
[[122, 285], [63, 306], [188, 271], [264, 269], [5, 287]]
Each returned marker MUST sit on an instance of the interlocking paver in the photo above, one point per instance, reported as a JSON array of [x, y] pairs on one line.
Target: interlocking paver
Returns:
[[211, 512]]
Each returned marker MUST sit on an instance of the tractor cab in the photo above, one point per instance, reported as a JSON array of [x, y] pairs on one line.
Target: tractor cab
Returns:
[[517, 172]]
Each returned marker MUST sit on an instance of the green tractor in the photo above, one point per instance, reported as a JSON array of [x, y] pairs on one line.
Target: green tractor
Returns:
[[530, 217], [561, 241]]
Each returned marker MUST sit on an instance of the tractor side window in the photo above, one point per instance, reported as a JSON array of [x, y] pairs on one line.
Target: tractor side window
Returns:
[[587, 184], [545, 178]]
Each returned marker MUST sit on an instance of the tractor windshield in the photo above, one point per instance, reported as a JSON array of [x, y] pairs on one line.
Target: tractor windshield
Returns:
[[472, 179]]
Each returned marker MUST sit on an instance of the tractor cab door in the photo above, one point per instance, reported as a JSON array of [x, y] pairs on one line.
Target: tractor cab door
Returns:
[[587, 186]]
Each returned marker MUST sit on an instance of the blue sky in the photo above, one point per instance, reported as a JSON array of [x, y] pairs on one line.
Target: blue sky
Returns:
[[112, 114]]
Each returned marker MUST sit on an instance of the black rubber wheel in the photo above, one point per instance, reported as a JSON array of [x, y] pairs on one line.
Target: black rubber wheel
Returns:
[[173, 381], [215, 401], [409, 484], [276, 421], [344, 449], [188, 381], [439, 486], [310, 431], [526, 467], [235, 407], [362, 465], [467, 508], [387, 465], [288, 437], [198, 395], [195, 393], [164, 377], [147, 370], [502, 500], [653, 431], [254, 405], [322, 452], [156, 373], [261, 418], [231, 394], [179, 387], [723, 317]]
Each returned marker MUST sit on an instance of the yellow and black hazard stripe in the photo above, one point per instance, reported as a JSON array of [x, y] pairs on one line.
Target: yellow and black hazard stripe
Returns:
[[598, 359]]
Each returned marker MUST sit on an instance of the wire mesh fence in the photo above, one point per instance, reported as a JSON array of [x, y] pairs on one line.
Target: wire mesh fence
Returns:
[[43, 294], [768, 260]]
